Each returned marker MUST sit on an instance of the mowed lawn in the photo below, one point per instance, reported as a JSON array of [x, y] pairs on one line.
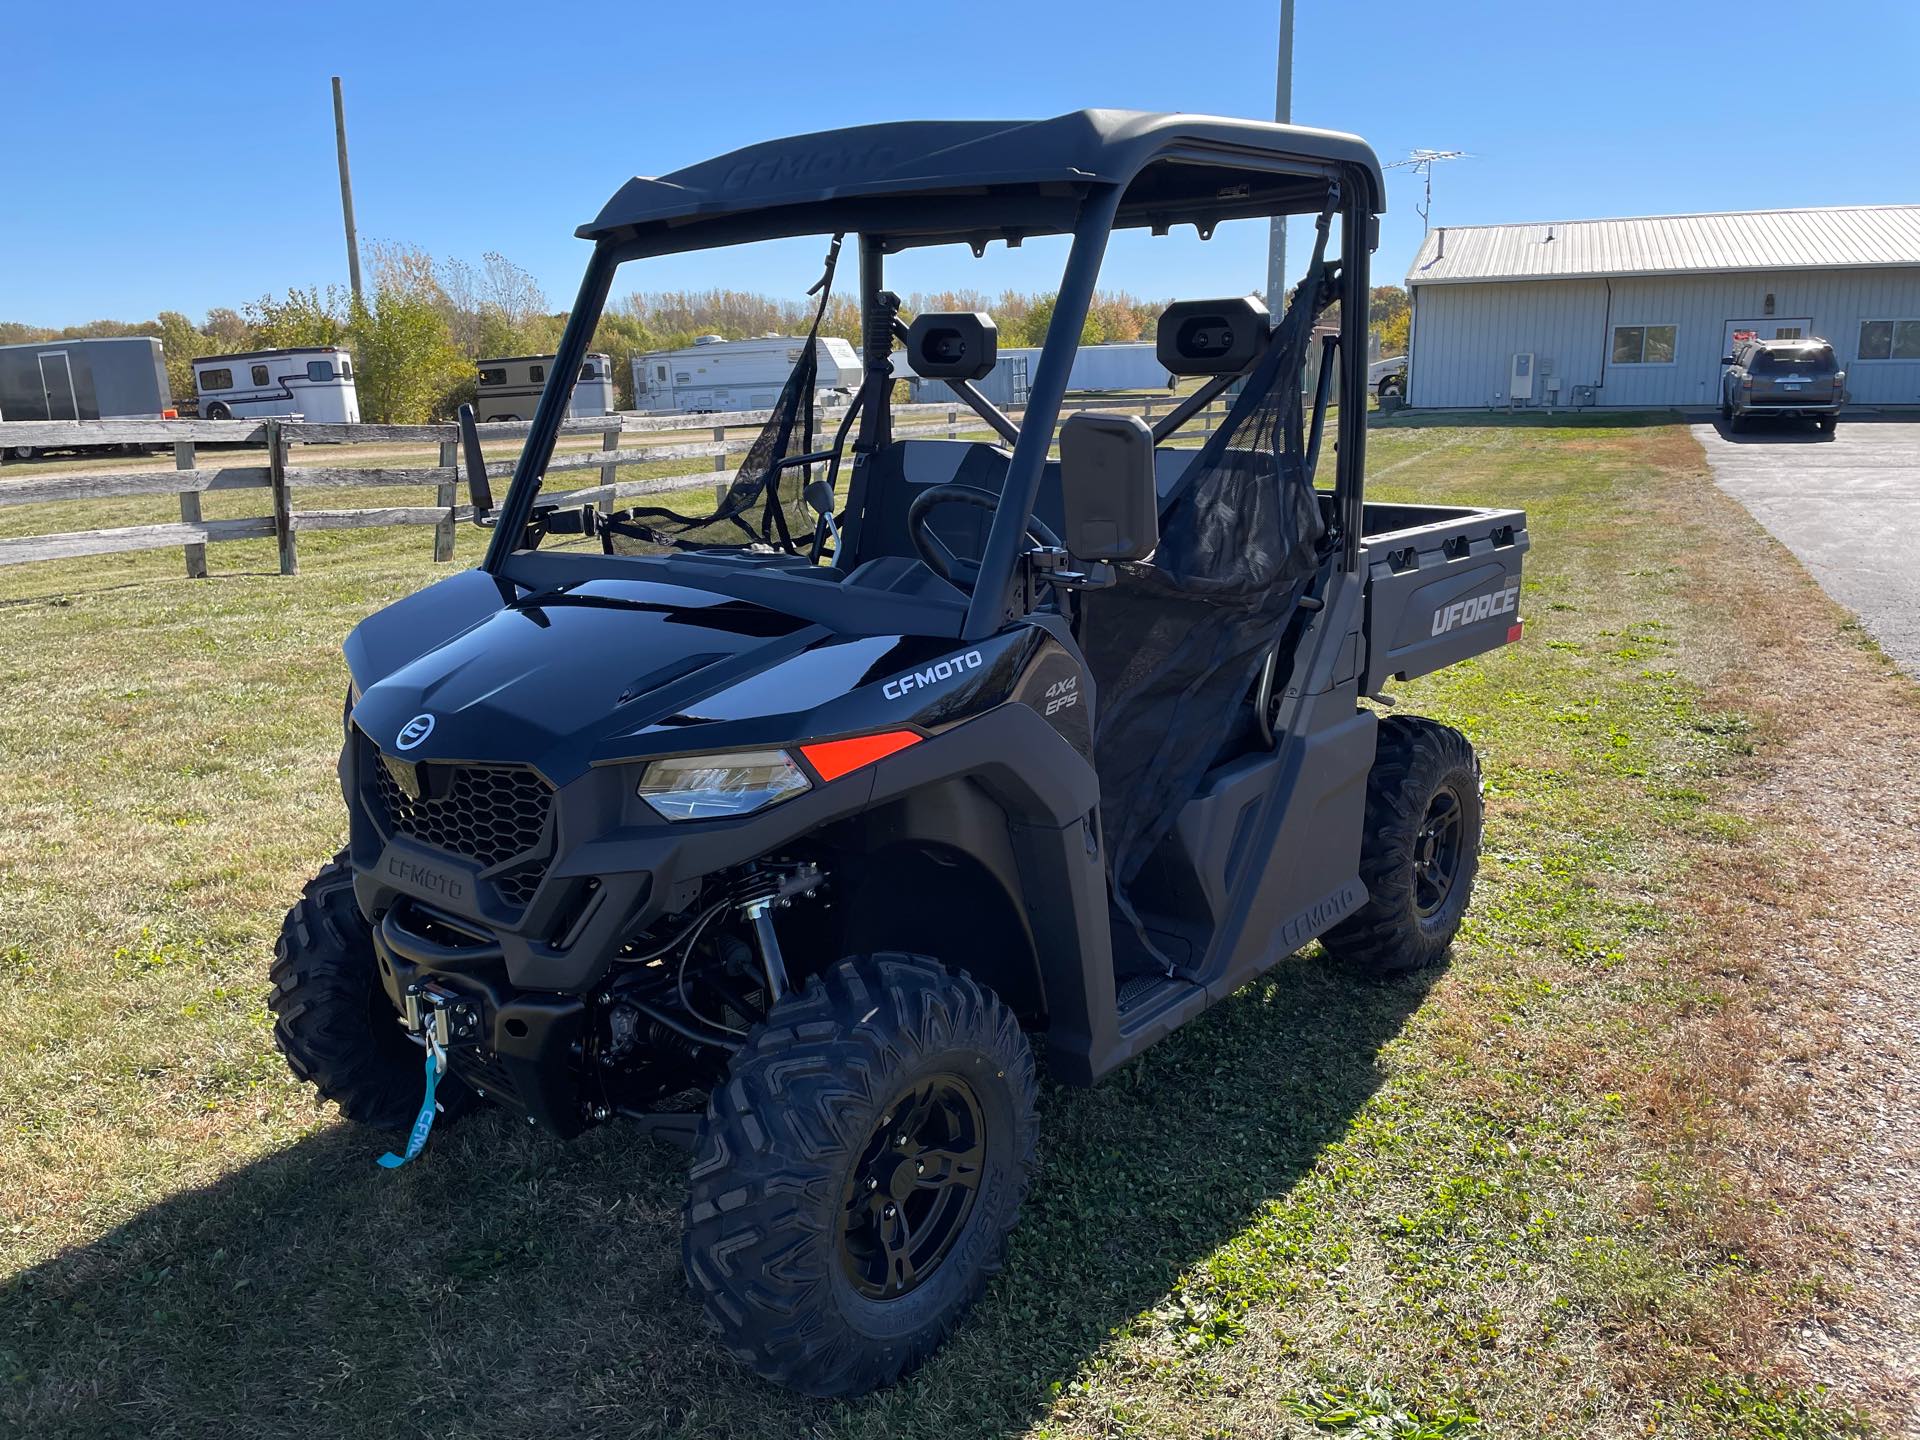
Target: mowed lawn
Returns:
[[1495, 1199]]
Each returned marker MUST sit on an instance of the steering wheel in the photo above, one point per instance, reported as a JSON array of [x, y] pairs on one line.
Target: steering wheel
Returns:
[[940, 559]]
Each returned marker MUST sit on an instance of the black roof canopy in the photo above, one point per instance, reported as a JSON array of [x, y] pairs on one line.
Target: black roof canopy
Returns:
[[923, 182]]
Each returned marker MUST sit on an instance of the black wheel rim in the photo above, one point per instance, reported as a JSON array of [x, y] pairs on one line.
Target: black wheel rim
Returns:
[[912, 1188], [1436, 853]]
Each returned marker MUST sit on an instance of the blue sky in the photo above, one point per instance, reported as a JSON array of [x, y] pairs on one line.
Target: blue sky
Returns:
[[153, 162]]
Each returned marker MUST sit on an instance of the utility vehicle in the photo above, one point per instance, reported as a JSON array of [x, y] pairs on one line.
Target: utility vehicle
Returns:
[[789, 825]]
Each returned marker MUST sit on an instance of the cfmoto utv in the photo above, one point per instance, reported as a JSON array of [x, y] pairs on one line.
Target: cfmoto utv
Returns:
[[787, 822]]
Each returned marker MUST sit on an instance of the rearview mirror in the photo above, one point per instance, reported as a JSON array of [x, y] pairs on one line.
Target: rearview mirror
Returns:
[[479, 492], [1107, 487]]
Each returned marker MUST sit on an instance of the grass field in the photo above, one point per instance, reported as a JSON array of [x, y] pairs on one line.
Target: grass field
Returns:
[[1499, 1199]]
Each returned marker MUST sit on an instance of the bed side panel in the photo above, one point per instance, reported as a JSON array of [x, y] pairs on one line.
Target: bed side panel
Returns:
[[1441, 593]]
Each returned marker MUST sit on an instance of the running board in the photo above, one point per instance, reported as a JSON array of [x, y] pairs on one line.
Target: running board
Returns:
[[1152, 1005]]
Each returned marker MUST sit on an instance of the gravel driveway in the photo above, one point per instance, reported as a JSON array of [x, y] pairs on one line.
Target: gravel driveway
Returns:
[[1846, 506]]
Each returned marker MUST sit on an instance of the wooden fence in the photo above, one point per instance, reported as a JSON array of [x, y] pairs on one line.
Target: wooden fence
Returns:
[[265, 462]]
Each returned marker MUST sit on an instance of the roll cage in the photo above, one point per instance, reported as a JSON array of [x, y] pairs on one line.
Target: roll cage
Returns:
[[901, 186]]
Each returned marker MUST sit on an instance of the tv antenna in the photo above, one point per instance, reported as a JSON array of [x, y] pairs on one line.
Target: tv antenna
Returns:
[[1422, 162]]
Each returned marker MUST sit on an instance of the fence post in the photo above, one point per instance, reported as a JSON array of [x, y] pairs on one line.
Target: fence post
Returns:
[[282, 501], [190, 512], [953, 415], [447, 498], [720, 466], [609, 474]]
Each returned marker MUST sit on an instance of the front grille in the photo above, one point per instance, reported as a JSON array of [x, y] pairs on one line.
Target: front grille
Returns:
[[489, 813]]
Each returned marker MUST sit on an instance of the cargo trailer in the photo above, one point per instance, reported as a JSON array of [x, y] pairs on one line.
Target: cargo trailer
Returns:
[[121, 378]]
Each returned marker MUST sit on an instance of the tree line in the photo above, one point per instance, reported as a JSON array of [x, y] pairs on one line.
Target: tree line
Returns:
[[423, 322]]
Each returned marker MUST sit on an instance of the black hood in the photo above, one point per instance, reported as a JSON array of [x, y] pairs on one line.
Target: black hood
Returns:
[[542, 679]]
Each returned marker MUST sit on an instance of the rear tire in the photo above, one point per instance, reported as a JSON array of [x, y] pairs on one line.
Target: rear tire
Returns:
[[333, 1020], [1828, 423], [858, 1172], [1420, 852]]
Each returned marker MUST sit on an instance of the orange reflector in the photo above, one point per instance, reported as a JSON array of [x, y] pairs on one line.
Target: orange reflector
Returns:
[[169, 414], [833, 758], [1513, 630]]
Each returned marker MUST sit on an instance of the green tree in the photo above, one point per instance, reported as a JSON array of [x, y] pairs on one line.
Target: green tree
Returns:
[[1395, 333], [180, 342], [408, 369], [304, 317]]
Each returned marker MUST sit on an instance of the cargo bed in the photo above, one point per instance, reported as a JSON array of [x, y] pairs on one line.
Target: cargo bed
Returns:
[[1443, 584]]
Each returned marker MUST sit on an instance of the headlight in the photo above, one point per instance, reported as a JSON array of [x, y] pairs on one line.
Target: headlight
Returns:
[[706, 787]]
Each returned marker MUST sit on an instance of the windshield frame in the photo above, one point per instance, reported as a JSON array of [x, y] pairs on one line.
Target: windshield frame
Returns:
[[1096, 209]]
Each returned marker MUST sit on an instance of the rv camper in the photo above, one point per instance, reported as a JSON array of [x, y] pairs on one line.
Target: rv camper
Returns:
[[510, 387], [311, 382], [715, 374], [124, 378]]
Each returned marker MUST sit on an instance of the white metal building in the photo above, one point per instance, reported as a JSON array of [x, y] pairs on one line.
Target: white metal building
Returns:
[[1627, 314]]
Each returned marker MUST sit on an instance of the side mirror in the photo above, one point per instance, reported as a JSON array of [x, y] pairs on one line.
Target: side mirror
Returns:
[[952, 346], [1727, 360], [479, 492], [1107, 487]]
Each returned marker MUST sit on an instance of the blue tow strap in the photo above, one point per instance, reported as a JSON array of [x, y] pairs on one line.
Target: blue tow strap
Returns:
[[423, 1122]]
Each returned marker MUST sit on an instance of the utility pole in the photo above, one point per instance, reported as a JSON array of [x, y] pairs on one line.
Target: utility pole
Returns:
[[1283, 113], [346, 190]]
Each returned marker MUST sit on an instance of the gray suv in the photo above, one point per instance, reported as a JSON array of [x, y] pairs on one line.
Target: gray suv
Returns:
[[1782, 377]]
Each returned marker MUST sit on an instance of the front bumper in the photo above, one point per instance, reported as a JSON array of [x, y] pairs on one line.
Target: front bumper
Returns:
[[527, 1050]]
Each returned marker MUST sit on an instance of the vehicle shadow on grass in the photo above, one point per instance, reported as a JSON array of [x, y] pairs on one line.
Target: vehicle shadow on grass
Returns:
[[510, 1285]]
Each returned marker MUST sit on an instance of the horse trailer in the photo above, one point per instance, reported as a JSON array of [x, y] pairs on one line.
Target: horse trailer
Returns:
[[124, 378], [717, 374], [313, 382], [510, 387]]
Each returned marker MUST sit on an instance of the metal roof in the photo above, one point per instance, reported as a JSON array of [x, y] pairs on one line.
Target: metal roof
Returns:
[[1841, 238], [923, 181]]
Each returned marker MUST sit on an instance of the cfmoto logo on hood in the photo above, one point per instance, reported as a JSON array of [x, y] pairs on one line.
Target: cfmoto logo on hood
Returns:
[[897, 688], [414, 731]]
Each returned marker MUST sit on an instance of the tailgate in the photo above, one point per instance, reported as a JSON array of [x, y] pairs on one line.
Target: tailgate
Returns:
[[1443, 584]]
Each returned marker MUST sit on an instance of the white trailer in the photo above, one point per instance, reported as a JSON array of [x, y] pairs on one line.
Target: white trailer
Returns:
[[312, 382], [510, 387], [715, 374], [1097, 368]]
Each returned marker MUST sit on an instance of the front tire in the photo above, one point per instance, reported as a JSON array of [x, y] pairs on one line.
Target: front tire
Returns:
[[858, 1172], [333, 1020], [1420, 852]]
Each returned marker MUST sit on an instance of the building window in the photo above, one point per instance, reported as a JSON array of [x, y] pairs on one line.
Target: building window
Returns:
[[536, 374], [216, 379], [1643, 344], [259, 374], [1890, 339], [319, 369], [493, 377]]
